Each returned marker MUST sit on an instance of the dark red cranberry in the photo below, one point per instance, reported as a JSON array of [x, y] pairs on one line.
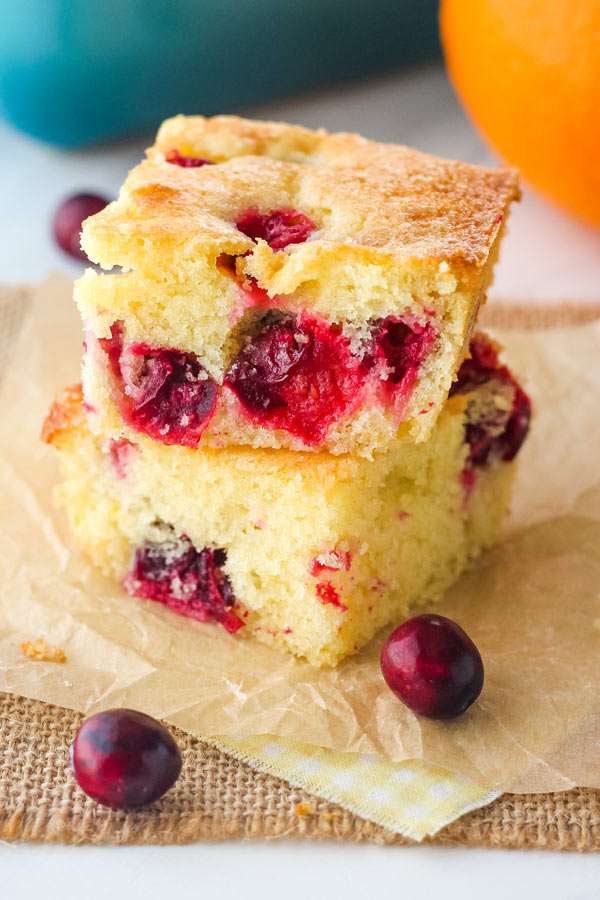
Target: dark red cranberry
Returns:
[[478, 366], [398, 349], [190, 582], [394, 354], [433, 666], [517, 426], [278, 228], [297, 374], [123, 758], [186, 162], [68, 218], [164, 393], [499, 437], [404, 347]]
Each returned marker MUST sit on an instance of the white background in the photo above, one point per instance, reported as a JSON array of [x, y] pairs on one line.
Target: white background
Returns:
[[546, 258]]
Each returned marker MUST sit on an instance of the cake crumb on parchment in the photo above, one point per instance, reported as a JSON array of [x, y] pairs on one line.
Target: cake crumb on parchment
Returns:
[[41, 651]]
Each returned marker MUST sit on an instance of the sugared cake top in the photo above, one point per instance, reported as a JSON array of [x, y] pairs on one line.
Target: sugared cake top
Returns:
[[375, 202]]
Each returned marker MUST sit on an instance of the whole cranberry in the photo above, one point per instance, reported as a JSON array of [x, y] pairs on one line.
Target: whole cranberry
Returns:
[[68, 218], [123, 758], [433, 666]]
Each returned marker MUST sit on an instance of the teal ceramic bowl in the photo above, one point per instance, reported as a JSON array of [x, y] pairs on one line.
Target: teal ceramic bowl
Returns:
[[77, 71]]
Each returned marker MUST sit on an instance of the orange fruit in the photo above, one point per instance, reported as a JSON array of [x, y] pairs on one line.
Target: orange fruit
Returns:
[[528, 72]]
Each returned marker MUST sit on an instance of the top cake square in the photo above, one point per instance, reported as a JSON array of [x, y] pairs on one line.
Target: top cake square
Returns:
[[282, 287]]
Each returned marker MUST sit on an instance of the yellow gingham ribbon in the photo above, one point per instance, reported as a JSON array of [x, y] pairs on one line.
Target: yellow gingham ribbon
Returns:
[[411, 798]]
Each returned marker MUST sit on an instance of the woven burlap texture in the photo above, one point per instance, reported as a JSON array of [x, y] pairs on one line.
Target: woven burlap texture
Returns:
[[218, 797]]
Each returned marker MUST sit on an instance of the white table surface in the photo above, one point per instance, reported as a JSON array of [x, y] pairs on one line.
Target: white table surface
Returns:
[[546, 258]]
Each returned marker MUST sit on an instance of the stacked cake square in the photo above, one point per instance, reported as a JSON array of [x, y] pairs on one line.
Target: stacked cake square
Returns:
[[287, 426]]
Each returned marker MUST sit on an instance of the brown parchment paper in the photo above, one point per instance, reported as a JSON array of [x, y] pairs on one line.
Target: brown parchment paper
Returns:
[[532, 605]]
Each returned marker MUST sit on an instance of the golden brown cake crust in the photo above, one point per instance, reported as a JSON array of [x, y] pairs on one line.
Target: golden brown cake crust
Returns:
[[65, 412], [370, 198]]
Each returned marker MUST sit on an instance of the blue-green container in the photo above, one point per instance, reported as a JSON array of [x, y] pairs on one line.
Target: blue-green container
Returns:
[[77, 71]]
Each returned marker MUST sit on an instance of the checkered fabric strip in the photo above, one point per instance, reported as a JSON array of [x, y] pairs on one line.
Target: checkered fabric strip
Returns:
[[411, 798]]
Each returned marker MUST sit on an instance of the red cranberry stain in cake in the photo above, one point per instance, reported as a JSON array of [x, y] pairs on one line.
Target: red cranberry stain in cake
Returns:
[[499, 434], [121, 452], [251, 296], [278, 228], [186, 162], [68, 220], [336, 560], [468, 477], [297, 374], [191, 582], [164, 393], [250, 293], [379, 586], [328, 594]]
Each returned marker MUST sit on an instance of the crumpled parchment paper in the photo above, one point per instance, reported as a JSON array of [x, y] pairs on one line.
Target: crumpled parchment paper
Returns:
[[532, 605]]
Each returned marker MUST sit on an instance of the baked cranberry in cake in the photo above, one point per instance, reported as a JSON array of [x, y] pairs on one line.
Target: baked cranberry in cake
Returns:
[[164, 393], [191, 582], [396, 352], [495, 434], [433, 666], [278, 228], [297, 374], [124, 759], [300, 374], [186, 162], [404, 347], [478, 366], [517, 426]]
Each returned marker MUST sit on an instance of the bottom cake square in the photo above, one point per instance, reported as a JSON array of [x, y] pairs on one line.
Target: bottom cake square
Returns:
[[310, 552]]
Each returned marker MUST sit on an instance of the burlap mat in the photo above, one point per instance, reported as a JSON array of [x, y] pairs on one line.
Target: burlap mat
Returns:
[[218, 797]]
